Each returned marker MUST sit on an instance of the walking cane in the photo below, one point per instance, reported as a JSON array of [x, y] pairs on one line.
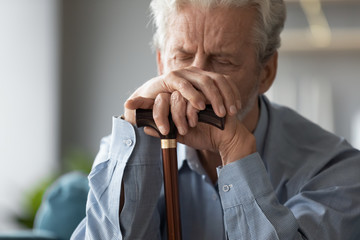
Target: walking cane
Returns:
[[144, 117]]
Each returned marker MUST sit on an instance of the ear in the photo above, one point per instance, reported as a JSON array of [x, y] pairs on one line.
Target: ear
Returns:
[[268, 73], [160, 66]]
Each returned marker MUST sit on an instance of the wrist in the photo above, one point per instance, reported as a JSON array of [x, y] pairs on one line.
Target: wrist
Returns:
[[238, 148]]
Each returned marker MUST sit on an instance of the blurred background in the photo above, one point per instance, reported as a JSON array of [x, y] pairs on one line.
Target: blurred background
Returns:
[[66, 67]]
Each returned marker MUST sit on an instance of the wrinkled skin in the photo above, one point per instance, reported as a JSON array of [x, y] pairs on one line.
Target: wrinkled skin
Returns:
[[208, 57]]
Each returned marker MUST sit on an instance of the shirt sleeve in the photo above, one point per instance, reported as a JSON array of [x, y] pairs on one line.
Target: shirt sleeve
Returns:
[[251, 209], [132, 157]]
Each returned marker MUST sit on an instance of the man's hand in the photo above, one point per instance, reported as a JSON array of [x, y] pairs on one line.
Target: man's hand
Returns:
[[232, 143], [196, 86], [184, 92]]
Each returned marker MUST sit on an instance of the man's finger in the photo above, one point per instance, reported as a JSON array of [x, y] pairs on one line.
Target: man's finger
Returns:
[[192, 115], [161, 112], [151, 132], [139, 102], [217, 89], [178, 112], [228, 91], [208, 88], [176, 81]]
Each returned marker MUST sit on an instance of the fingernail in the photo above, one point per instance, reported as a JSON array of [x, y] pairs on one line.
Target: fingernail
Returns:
[[238, 104], [233, 109], [181, 131], [222, 110], [162, 130], [202, 105]]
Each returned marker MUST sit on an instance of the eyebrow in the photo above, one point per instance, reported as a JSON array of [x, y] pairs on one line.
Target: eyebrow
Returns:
[[181, 49], [222, 54]]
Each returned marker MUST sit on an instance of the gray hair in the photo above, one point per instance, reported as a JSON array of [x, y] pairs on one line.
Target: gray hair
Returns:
[[267, 29]]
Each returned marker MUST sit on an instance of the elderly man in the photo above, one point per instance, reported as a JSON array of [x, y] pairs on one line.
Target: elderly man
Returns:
[[271, 174]]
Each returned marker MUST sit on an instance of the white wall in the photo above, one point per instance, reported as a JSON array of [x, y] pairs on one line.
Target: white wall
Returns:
[[324, 87], [28, 99], [105, 55]]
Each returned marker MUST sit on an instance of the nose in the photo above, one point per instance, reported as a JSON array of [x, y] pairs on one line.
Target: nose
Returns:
[[201, 61]]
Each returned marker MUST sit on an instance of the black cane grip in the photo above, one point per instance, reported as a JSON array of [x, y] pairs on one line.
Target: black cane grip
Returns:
[[208, 116], [144, 117]]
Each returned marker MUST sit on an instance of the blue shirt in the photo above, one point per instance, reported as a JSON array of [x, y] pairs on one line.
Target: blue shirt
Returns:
[[303, 183]]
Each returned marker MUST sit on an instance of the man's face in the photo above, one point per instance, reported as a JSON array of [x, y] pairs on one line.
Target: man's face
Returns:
[[218, 40]]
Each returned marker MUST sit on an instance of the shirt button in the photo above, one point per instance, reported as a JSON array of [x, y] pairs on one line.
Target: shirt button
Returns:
[[226, 188], [128, 142]]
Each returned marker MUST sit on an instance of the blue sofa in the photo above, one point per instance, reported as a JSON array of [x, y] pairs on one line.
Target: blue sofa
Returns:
[[62, 209]]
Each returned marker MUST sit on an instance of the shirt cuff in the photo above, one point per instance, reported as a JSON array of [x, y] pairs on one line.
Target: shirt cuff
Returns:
[[123, 139], [243, 181], [131, 146]]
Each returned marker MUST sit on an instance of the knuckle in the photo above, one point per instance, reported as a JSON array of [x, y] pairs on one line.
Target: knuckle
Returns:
[[183, 85], [213, 90], [206, 80], [158, 100], [220, 79], [175, 96], [161, 98]]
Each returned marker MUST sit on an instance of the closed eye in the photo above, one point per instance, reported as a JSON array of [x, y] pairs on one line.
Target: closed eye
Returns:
[[184, 58], [222, 61]]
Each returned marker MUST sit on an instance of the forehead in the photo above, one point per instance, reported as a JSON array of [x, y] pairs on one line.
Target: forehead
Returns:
[[216, 28]]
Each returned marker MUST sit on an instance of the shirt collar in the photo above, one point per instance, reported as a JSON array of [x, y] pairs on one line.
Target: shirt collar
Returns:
[[188, 154], [261, 128]]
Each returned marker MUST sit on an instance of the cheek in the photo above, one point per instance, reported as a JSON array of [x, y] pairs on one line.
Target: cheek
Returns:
[[167, 67], [247, 84]]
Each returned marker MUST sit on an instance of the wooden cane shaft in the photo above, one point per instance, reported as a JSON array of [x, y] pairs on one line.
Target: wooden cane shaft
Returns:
[[171, 191], [144, 117]]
